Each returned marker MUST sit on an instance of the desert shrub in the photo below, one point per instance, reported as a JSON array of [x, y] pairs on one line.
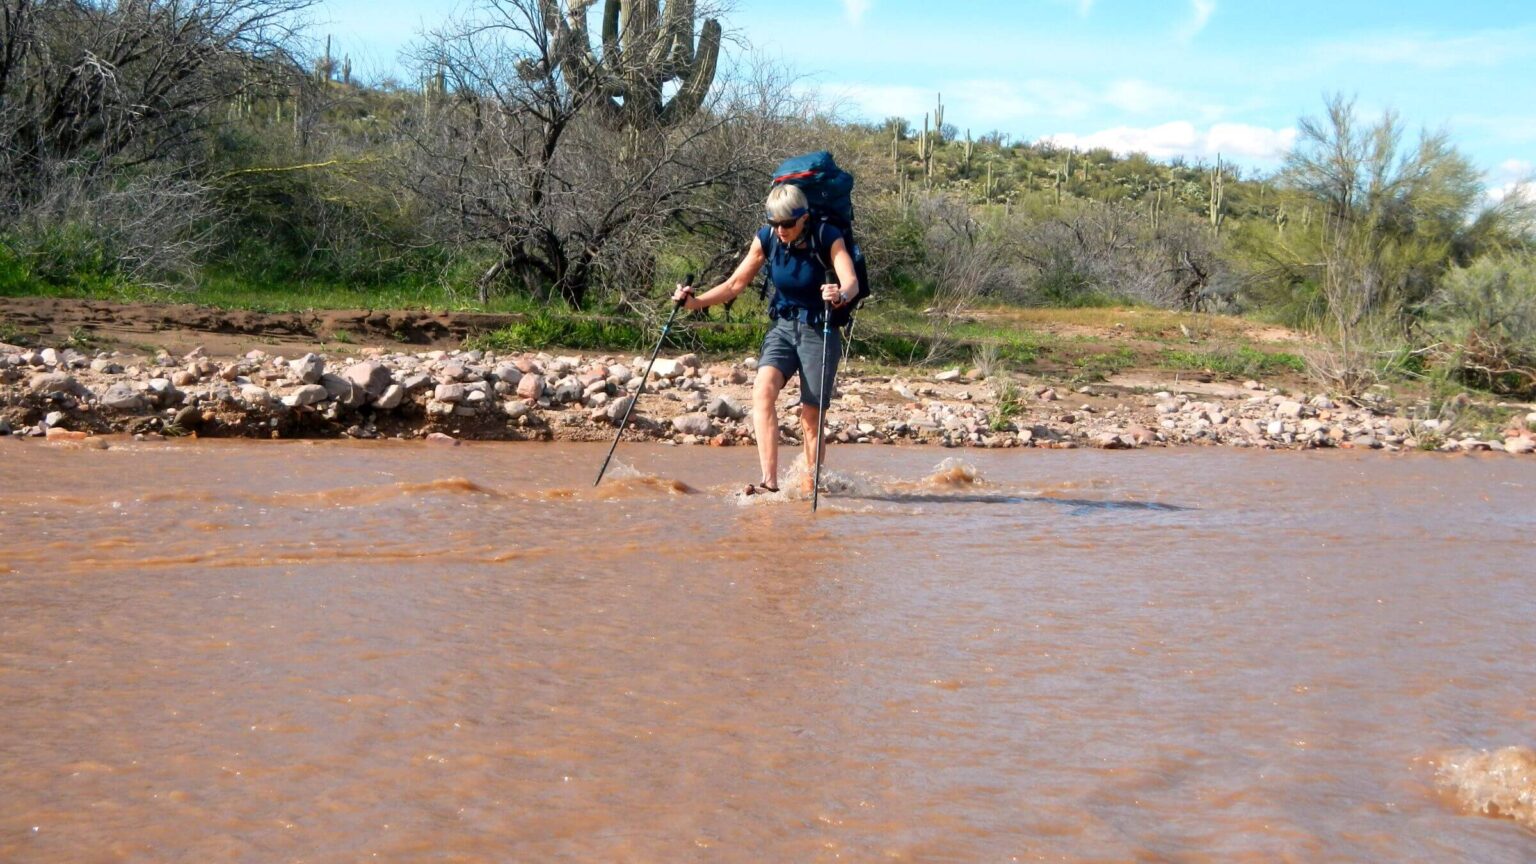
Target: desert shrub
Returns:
[[1483, 321]]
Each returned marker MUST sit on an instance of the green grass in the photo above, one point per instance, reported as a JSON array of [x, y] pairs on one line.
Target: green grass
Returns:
[[546, 329], [1240, 362]]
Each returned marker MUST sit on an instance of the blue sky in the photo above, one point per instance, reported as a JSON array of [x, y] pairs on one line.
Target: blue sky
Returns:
[[1163, 77]]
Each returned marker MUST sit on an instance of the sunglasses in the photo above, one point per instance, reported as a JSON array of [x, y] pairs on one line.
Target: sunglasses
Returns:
[[783, 223]]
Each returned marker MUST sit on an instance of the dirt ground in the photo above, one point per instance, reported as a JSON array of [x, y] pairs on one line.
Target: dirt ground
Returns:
[[178, 328]]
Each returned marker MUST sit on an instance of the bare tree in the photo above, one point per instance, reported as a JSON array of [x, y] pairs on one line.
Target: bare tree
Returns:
[[519, 154], [96, 86]]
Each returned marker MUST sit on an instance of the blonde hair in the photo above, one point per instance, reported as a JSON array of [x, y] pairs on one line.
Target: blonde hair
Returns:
[[784, 200]]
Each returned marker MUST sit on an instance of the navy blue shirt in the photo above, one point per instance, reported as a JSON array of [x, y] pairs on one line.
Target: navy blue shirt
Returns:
[[798, 270]]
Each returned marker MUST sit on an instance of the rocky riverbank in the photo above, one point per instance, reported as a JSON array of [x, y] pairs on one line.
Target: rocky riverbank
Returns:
[[64, 394]]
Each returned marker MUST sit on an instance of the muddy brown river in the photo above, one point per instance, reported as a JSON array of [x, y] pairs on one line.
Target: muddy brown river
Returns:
[[328, 652]]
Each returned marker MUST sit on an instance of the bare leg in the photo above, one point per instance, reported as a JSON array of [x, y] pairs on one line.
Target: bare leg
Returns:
[[810, 418], [765, 421]]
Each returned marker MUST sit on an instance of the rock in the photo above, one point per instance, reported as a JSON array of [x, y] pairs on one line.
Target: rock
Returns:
[[450, 393], [722, 408], [1365, 441], [666, 368], [123, 397], [54, 382], [371, 376], [392, 397], [256, 397], [947, 375], [344, 392], [1047, 395], [442, 440], [5, 426], [531, 386], [56, 434], [1108, 441], [106, 367], [1530, 420], [309, 394], [1141, 436], [1289, 409], [617, 409], [507, 372], [308, 368], [164, 393], [696, 423], [567, 389], [1520, 445], [689, 361], [452, 372], [416, 381]]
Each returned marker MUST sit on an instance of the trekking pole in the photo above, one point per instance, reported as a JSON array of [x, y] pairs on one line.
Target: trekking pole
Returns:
[[641, 389], [826, 401]]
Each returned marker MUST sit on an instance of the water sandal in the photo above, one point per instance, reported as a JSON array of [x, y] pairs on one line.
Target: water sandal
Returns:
[[759, 489]]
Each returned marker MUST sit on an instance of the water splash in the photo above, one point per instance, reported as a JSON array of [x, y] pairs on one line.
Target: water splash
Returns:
[[1501, 783], [953, 473]]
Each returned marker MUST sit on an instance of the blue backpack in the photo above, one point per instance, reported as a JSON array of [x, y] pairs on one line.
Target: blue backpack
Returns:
[[829, 192]]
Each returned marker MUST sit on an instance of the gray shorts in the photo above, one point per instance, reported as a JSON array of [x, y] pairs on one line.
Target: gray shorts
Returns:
[[792, 346]]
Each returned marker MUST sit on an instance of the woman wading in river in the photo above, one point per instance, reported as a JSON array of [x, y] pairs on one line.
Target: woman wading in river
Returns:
[[801, 255]]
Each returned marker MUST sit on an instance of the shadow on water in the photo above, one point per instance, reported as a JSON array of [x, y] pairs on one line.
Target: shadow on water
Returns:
[[1077, 506]]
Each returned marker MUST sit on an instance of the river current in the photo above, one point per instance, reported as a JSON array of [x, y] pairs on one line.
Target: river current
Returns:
[[338, 652]]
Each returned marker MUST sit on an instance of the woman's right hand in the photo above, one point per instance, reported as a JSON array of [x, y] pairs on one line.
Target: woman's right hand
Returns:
[[682, 295]]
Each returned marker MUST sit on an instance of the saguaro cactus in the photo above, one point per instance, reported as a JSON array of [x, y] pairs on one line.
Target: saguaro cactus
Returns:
[[643, 49], [1218, 193]]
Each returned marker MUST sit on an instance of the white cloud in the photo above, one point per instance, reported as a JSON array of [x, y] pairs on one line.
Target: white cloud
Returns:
[[855, 10], [1202, 11], [1485, 49], [1140, 97], [1235, 141], [1513, 179], [1517, 168]]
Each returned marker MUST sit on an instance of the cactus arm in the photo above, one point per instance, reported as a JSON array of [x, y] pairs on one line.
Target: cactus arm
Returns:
[[690, 97]]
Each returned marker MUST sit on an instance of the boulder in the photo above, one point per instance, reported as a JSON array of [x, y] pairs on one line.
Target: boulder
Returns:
[[308, 368], [694, 423], [450, 393], [123, 397], [54, 382], [666, 368], [618, 408], [392, 397], [1520, 444], [370, 375], [507, 372], [164, 393], [722, 408], [344, 392], [309, 394], [531, 386], [256, 397], [567, 389]]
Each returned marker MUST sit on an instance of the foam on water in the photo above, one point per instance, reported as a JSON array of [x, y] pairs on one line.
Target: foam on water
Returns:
[[1501, 783], [953, 473]]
